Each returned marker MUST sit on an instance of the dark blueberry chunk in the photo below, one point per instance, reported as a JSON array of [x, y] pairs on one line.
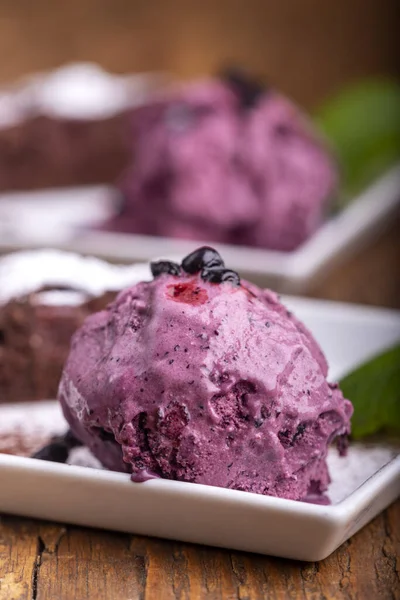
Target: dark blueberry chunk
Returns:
[[247, 89], [220, 276], [201, 258], [231, 276], [212, 275], [58, 449], [299, 432], [54, 452], [164, 266]]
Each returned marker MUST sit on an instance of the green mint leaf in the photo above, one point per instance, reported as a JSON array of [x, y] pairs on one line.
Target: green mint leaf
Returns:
[[374, 390], [362, 122]]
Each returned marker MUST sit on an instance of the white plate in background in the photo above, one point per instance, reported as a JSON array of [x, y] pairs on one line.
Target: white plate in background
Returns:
[[364, 483], [50, 218]]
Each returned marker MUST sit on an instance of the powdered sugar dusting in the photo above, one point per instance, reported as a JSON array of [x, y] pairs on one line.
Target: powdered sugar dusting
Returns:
[[24, 428], [351, 471], [26, 272], [59, 298], [32, 418], [86, 91], [74, 91]]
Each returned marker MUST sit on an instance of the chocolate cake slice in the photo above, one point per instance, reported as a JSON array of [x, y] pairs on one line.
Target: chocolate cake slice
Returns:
[[44, 297], [67, 127], [44, 152]]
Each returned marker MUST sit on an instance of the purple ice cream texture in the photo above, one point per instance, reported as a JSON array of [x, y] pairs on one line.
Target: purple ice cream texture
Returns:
[[207, 383], [206, 169]]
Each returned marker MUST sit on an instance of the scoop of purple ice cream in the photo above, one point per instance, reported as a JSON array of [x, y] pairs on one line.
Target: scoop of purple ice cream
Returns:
[[199, 377], [210, 165]]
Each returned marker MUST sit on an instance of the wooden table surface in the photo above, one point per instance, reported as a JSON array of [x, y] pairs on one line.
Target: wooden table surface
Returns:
[[42, 561]]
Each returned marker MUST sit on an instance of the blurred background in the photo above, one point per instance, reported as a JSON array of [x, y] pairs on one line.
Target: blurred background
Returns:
[[308, 49]]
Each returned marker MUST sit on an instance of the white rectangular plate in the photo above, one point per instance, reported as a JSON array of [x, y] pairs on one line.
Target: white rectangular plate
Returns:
[[57, 218], [363, 483]]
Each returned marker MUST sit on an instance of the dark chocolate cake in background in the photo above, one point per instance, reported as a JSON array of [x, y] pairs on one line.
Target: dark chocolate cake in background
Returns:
[[67, 127], [44, 297]]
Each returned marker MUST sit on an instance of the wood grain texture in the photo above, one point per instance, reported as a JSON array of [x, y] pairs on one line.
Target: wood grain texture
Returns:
[[370, 276], [308, 48], [40, 561]]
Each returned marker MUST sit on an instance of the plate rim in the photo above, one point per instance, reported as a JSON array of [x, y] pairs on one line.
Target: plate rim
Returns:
[[295, 269]]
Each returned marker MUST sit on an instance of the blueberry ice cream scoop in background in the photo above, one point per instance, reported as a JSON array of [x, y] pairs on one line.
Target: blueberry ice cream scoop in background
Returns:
[[225, 160], [198, 376]]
